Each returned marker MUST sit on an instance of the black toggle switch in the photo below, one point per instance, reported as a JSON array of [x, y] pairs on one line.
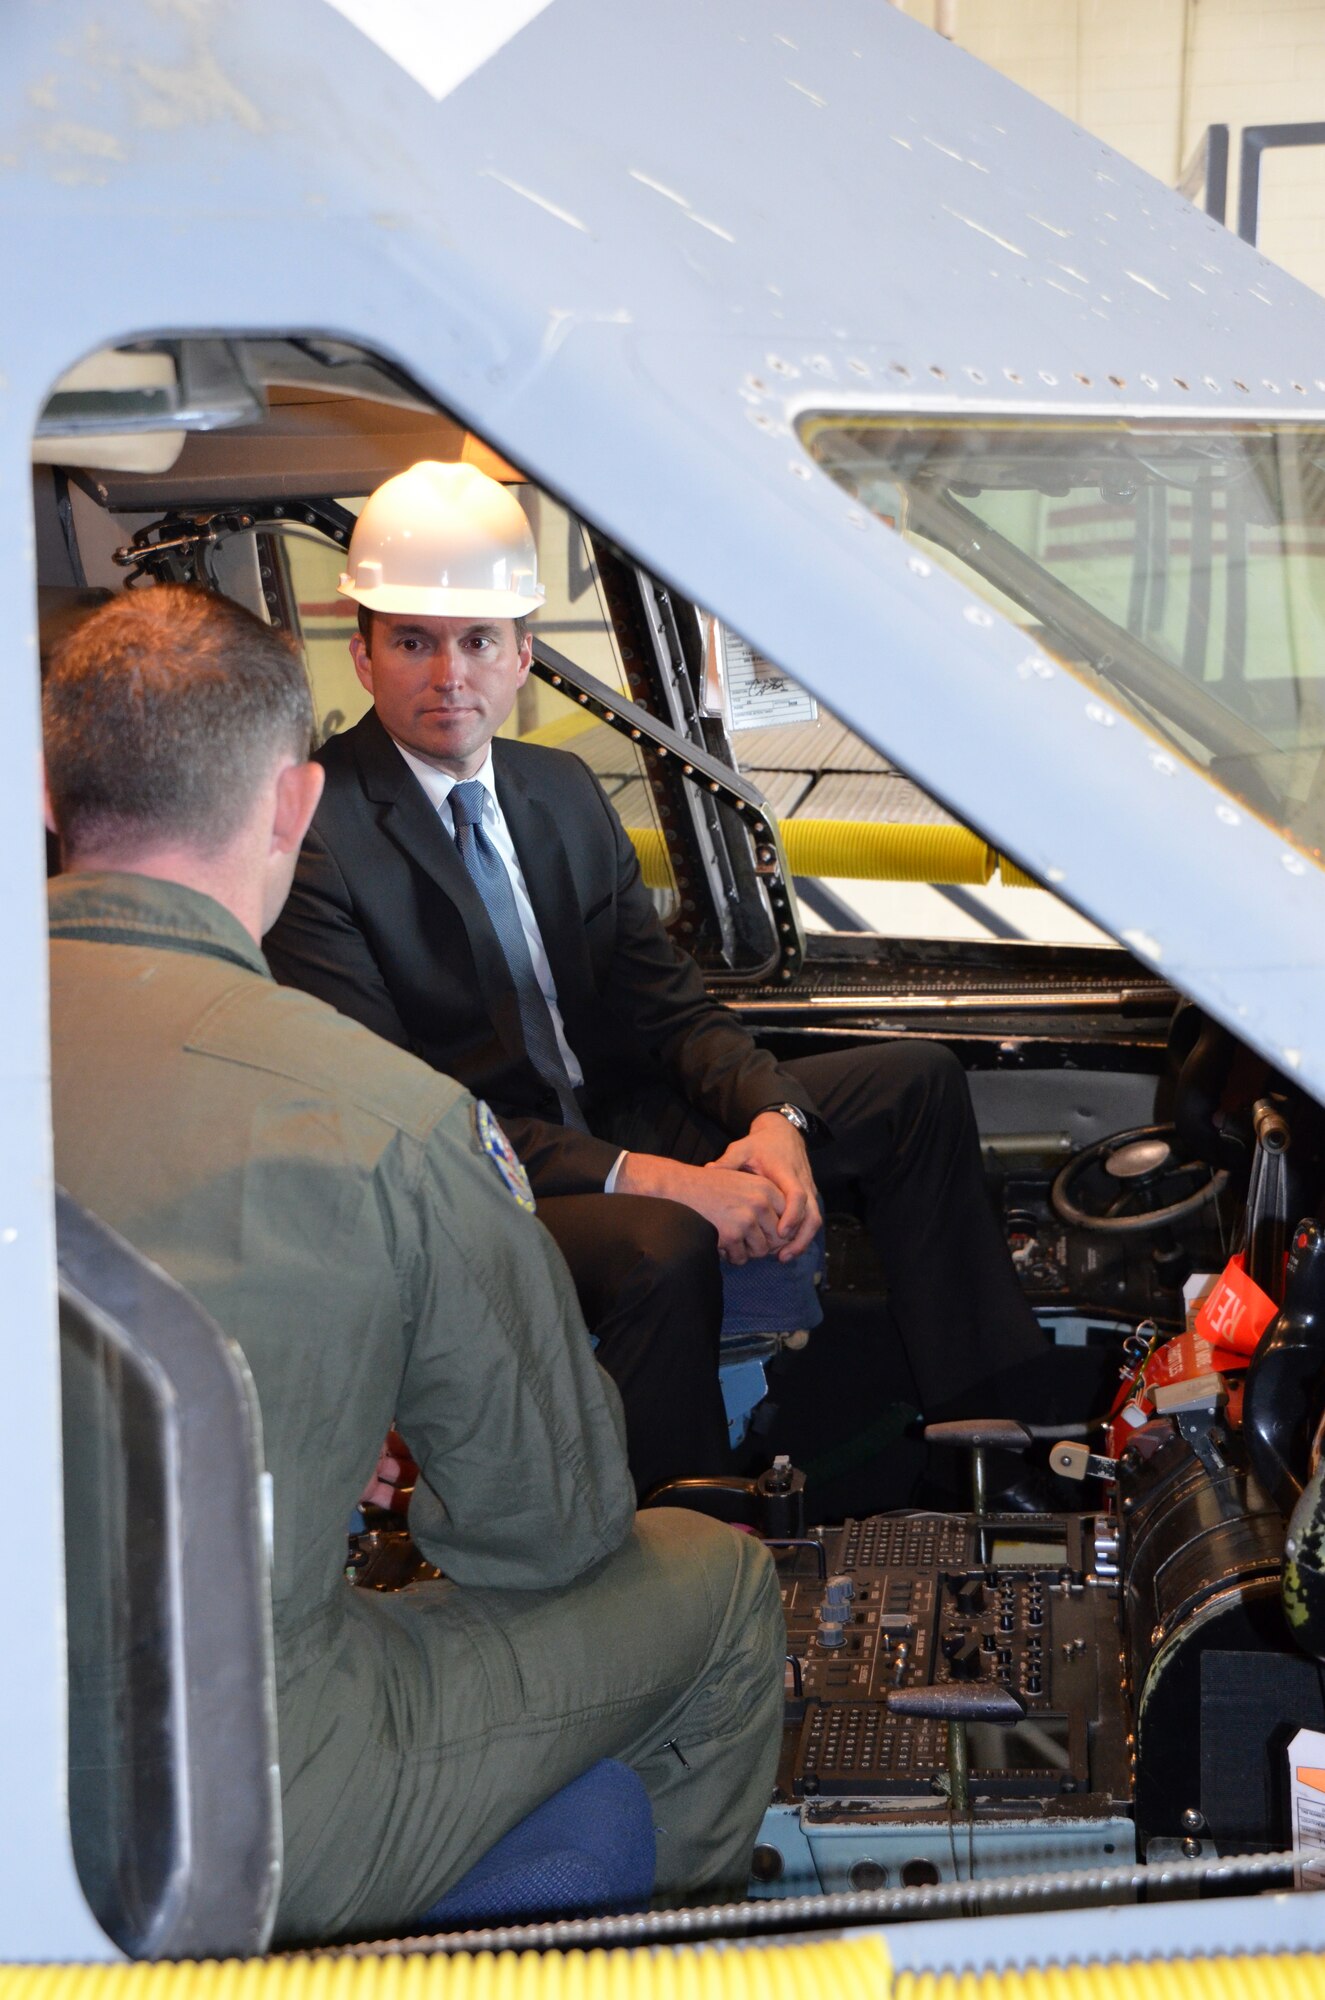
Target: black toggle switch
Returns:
[[965, 1661]]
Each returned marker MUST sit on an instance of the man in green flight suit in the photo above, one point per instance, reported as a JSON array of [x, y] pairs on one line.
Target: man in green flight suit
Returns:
[[356, 1222]]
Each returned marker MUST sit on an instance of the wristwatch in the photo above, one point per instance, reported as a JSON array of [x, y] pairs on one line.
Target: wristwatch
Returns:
[[793, 1115]]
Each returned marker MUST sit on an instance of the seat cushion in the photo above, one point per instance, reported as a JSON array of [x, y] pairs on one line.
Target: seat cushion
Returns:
[[768, 1298], [587, 1851]]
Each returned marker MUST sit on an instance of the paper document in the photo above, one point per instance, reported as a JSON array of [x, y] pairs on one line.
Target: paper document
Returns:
[[754, 691], [1306, 1791]]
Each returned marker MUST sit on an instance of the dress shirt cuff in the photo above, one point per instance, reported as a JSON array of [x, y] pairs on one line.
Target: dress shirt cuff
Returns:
[[609, 1185]]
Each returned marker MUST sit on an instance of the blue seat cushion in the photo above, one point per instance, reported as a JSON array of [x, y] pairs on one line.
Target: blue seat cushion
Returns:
[[587, 1851], [768, 1298]]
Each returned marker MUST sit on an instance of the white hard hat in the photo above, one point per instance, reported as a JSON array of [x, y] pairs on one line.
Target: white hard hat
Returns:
[[443, 541]]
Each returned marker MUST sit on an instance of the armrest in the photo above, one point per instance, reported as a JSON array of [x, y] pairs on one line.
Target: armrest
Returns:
[[971, 1433]]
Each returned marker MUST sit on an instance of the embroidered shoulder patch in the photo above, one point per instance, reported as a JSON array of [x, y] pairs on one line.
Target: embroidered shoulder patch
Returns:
[[502, 1154]]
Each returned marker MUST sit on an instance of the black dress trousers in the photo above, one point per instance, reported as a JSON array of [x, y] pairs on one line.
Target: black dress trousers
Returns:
[[650, 1289], [903, 1150]]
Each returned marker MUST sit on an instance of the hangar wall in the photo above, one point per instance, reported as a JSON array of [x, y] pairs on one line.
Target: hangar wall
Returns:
[[1150, 75]]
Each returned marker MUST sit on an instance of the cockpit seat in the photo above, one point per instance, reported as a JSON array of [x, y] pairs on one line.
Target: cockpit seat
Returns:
[[587, 1851], [765, 1306], [775, 1302]]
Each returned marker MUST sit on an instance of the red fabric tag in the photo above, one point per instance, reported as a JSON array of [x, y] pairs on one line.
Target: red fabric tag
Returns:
[[1190, 1355], [1182, 1359], [1236, 1312]]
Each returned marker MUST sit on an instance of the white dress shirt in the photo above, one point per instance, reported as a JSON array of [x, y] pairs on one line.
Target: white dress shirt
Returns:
[[438, 786]]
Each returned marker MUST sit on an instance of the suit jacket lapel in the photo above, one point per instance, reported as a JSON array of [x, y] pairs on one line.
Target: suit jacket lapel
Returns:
[[540, 844], [408, 818]]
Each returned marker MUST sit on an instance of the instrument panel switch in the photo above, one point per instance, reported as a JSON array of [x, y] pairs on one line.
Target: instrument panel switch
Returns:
[[965, 1661]]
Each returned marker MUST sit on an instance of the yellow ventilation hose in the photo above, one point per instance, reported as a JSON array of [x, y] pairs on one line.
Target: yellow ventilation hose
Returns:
[[1269, 1976], [651, 853], [862, 850], [847, 1969], [845, 849], [872, 852], [853, 1968]]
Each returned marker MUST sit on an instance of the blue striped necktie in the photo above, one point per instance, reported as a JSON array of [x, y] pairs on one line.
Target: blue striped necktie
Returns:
[[487, 871]]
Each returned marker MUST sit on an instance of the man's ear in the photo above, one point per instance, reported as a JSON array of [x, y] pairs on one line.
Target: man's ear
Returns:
[[298, 789], [526, 659], [363, 665], [47, 807]]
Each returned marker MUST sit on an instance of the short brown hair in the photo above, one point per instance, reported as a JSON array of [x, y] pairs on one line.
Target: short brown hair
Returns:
[[163, 713], [366, 627]]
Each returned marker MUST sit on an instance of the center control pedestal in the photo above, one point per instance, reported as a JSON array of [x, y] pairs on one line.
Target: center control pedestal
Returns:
[[955, 1705]]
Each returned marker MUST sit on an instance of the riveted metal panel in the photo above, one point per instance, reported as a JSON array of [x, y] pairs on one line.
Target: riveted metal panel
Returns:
[[628, 249]]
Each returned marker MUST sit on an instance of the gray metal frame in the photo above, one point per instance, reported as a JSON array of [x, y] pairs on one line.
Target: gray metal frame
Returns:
[[704, 775], [1256, 140], [630, 250], [218, 1890], [1205, 177]]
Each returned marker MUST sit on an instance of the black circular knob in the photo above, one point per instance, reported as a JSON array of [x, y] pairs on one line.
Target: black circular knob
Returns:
[[766, 1864]]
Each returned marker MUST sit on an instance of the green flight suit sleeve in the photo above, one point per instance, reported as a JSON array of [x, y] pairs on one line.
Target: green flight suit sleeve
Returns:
[[517, 1431]]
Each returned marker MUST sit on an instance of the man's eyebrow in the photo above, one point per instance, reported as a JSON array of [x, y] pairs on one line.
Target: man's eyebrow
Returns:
[[409, 632], [491, 631]]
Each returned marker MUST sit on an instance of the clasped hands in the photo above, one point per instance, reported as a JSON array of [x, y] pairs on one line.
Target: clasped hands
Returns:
[[759, 1195]]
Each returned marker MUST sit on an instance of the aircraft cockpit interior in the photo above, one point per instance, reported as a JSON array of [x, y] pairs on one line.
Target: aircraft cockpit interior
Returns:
[[1040, 1658]]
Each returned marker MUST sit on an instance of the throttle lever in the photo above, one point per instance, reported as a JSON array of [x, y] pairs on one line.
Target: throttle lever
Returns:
[[956, 1706], [1073, 1461], [977, 1435]]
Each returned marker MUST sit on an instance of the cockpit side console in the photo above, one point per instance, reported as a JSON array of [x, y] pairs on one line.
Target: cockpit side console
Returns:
[[976, 1695]]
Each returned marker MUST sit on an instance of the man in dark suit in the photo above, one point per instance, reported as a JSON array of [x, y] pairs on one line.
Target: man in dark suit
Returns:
[[478, 902]]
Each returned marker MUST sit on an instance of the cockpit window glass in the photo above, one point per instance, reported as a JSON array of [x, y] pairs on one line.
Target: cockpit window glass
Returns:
[[324, 624], [574, 617], [917, 871], [1177, 568], [617, 763]]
